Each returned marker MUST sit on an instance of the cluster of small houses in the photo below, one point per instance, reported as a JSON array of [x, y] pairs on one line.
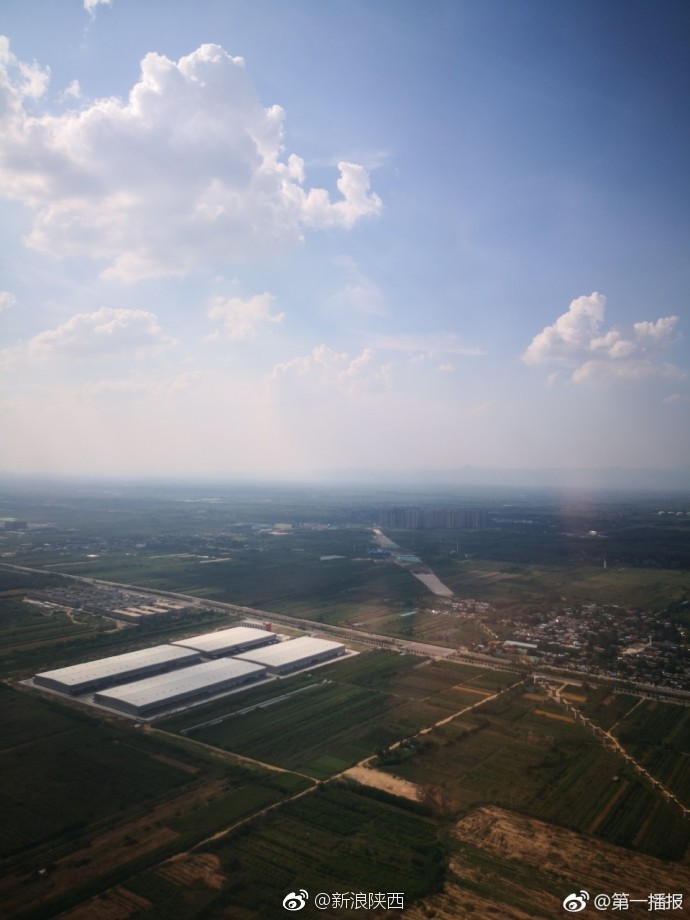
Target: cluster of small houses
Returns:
[[573, 639]]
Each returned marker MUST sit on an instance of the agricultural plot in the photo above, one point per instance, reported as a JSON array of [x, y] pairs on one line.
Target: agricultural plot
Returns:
[[57, 780], [365, 704], [444, 627], [658, 735], [521, 754], [86, 799], [337, 839], [511, 585], [29, 632], [606, 708], [287, 571]]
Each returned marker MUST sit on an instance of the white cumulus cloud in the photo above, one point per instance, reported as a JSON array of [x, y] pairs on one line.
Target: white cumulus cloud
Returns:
[[324, 365], [7, 300], [579, 340], [571, 334], [188, 170], [19, 81], [92, 5], [71, 91], [104, 332], [240, 319]]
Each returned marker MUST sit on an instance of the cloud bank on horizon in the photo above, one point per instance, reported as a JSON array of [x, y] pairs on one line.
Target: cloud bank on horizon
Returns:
[[199, 280]]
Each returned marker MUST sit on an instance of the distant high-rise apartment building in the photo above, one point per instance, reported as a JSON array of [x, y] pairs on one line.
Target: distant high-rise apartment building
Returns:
[[414, 518]]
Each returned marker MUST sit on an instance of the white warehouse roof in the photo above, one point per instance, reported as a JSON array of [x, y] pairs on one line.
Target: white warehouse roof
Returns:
[[226, 640], [104, 670], [165, 689], [292, 652]]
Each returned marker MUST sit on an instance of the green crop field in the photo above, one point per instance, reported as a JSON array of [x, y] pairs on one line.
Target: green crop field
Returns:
[[606, 708], [69, 781], [336, 839], [527, 756], [658, 735], [62, 771], [358, 706]]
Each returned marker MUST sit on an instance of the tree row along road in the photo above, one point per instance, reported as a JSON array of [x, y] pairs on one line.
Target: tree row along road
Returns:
[[612, 742]]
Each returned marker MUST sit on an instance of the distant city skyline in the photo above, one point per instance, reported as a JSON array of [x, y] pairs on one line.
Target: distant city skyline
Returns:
[[357, 239]]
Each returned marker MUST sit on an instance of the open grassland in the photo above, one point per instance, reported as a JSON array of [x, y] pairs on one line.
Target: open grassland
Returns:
[[511, 753], [351, 710], [337, 839]]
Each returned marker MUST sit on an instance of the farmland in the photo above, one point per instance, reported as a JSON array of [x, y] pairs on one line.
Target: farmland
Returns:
[[338, 839], [83, 799], [182, 817], [379, 697], [518, 752]]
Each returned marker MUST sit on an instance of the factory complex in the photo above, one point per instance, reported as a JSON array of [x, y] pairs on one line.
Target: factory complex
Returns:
[[295, 654], [228, 641], [145, 697], [95, 675], [187, 671]]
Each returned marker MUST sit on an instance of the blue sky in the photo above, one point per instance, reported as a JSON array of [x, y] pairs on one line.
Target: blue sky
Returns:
[[273, 239]]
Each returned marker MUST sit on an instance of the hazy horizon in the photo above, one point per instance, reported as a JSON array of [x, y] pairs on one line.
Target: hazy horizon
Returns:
[[358, 239], [417, 482]]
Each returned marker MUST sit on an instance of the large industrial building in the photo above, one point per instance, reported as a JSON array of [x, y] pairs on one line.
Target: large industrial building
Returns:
[[146, 697], [294, 654], [106, 672], [228, 641]]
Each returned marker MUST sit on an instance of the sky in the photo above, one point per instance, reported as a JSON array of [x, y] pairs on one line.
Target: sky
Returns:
[[264, 239]]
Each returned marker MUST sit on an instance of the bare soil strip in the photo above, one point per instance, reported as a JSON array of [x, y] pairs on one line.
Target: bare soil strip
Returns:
[[573, 860], [379, 780], [553, 715]]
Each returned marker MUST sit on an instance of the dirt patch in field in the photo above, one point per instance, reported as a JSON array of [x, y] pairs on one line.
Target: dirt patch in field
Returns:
[[552, 715], [474, 690], [574, 697], [118, 904], [187, 869], [527, 867], [386, 782], [534, 697]]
